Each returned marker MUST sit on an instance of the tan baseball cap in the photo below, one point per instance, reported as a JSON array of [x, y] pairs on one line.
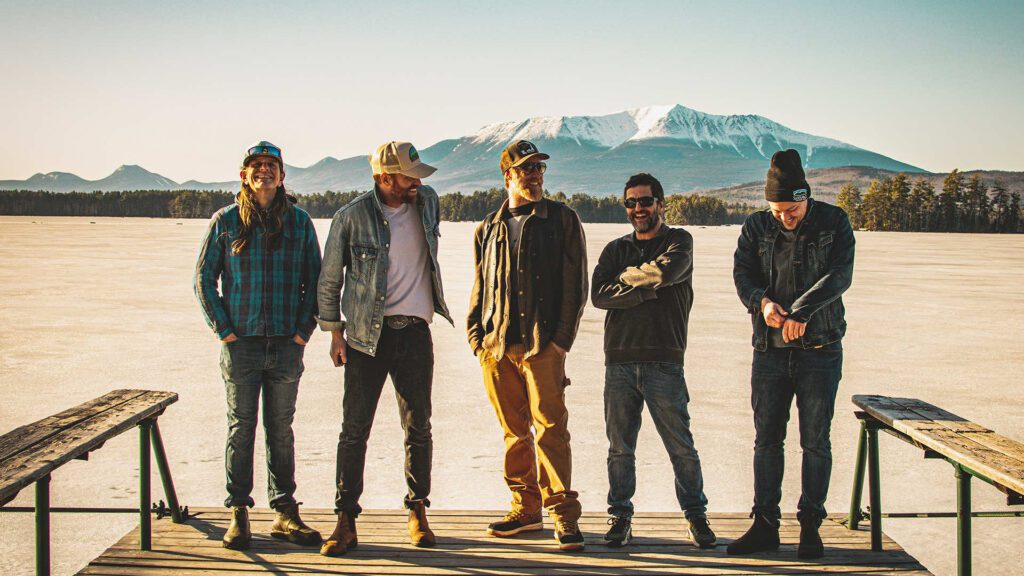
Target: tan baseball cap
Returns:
[[399, 158]]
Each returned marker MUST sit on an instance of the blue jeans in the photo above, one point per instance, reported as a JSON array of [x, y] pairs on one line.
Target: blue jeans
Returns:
[[253, 367], [407, 355], [663, 387], [812, 375]]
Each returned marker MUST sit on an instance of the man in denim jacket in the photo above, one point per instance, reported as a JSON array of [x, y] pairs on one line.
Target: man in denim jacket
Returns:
[[266, 257], [382, 249], [792, 265]]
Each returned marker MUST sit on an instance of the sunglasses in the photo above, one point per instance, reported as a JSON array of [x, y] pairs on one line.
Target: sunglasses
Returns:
[[532, 167], [267, 150], [645, 201]]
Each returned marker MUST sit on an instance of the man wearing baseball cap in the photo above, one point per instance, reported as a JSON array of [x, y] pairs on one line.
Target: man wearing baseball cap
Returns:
[[381, 274], [524, 311], [263, 321], [792, 264]]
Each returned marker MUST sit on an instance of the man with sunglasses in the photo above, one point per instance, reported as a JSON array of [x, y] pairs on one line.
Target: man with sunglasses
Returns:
[[644, 281], [792, 264], [263, 321], [528, 296], [382, 250]]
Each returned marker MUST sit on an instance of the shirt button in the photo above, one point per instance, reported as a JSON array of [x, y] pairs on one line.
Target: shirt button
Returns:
[[376, 325], [380, 298], [386, 223], [521, 293], [522, 314], [388, 245]]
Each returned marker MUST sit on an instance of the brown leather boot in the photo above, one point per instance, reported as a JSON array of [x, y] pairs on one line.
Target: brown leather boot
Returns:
[[343, 538], [289, 526], [238, 535], [420, 534]]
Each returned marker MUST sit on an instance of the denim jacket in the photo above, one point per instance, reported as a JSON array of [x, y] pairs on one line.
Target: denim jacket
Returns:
[[356, 258], [823, 262]]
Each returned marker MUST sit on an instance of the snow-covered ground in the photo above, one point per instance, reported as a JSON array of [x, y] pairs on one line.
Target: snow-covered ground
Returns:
[[89, 305]]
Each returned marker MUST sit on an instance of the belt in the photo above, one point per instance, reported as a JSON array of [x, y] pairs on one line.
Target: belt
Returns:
[[399, 322]]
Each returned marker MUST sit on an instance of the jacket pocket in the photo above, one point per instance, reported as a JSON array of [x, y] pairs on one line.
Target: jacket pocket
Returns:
[[364, 262]]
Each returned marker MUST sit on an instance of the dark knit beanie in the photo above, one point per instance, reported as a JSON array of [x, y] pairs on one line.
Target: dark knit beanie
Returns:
[[786, 181]]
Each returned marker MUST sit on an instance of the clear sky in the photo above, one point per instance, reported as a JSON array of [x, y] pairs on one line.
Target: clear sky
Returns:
[[182, 88]]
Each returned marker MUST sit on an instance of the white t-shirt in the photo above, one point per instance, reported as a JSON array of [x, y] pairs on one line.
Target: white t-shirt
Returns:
[[410, 292]]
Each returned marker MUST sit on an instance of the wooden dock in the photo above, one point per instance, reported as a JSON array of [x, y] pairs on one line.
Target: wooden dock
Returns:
[[659, 546]]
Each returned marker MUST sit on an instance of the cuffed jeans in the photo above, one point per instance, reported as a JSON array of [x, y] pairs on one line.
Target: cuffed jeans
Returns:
[[812, 375], [407, 355], [529, 392], [663, 387], [253, 367]]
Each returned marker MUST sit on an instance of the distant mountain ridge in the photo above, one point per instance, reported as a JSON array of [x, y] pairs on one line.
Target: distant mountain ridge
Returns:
[[686, 149]]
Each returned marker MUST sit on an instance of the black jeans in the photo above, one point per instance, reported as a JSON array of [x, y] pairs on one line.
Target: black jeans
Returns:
[[407, 355], [812, 376]]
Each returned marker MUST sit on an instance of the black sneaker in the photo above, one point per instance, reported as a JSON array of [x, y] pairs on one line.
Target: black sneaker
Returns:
[[701, 533], [763, 536], [515, 522], [568, 535], [620, 533], [810, 546]]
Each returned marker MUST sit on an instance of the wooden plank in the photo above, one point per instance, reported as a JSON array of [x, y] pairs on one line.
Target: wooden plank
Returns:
[[908, 415], [997, 466], [25, 436], [30, 465], [341, 568], [999, 443]]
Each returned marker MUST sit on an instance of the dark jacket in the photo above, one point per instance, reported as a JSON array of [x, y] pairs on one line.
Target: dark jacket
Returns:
[[552, 279], [648, 296], [823, 261]]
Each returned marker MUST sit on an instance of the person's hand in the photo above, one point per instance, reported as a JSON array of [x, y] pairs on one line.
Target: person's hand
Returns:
[[792, 330], [774, 315], [229, 338], [339, 348], [298, 340]]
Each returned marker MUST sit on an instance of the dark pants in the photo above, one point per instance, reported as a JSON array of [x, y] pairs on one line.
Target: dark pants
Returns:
[[813, 377], [407, 355], [255, 367], [662, 386]]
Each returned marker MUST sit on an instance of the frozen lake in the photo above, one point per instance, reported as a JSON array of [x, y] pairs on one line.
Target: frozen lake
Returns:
[[89, 305]]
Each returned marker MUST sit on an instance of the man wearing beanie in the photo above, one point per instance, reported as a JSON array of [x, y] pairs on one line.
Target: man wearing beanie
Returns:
[[263, 321], [382, 251], [792, 264], [528, 296]]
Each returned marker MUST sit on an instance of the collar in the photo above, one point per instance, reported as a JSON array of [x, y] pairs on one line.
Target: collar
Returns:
[[540, 210]]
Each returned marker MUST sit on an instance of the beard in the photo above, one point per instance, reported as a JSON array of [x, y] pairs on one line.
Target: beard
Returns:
[[642, 226], [529, 193]]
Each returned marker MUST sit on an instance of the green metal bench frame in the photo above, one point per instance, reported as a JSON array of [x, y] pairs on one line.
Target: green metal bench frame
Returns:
[[149, 437], [867, 454]]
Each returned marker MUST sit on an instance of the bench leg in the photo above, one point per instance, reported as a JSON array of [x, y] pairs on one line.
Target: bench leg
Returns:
[[963, 521], [145, 520], [43, 526], [853, 520], [876, 489], [165, 473]]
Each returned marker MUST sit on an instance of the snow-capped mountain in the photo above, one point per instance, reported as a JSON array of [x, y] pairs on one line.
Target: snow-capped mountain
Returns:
[[684, 148]]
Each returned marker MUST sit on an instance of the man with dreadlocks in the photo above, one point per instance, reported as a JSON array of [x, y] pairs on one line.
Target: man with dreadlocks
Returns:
[[265, 253]]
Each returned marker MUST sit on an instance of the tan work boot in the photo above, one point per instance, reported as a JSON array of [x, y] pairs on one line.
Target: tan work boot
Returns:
[[420, 534], [288, 526], [238, 535], [343, 538]]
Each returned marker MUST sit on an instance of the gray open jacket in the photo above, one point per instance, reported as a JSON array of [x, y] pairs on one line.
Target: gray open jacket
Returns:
[[823, 270], [356, 258]]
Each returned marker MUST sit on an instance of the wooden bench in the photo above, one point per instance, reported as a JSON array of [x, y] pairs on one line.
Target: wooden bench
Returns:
[[972, 449], [29, 454]]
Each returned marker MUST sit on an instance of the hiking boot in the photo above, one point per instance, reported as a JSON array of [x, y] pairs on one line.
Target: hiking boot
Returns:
[[762, 536], [515, 522], [701, 533], [620, 533], [420, 534], [238, 535], [810, 541], [289, 526], [343, 538], [568, 535]]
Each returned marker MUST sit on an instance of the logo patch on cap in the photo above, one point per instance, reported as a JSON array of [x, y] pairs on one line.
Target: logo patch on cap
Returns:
[[527, 148], [413, 154], [799, 195]]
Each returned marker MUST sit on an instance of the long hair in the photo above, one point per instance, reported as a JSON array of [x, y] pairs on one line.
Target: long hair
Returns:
[[271, 219]]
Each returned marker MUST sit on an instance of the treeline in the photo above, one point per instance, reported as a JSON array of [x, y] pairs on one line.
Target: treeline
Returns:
[[681, 209], [897, 204]]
